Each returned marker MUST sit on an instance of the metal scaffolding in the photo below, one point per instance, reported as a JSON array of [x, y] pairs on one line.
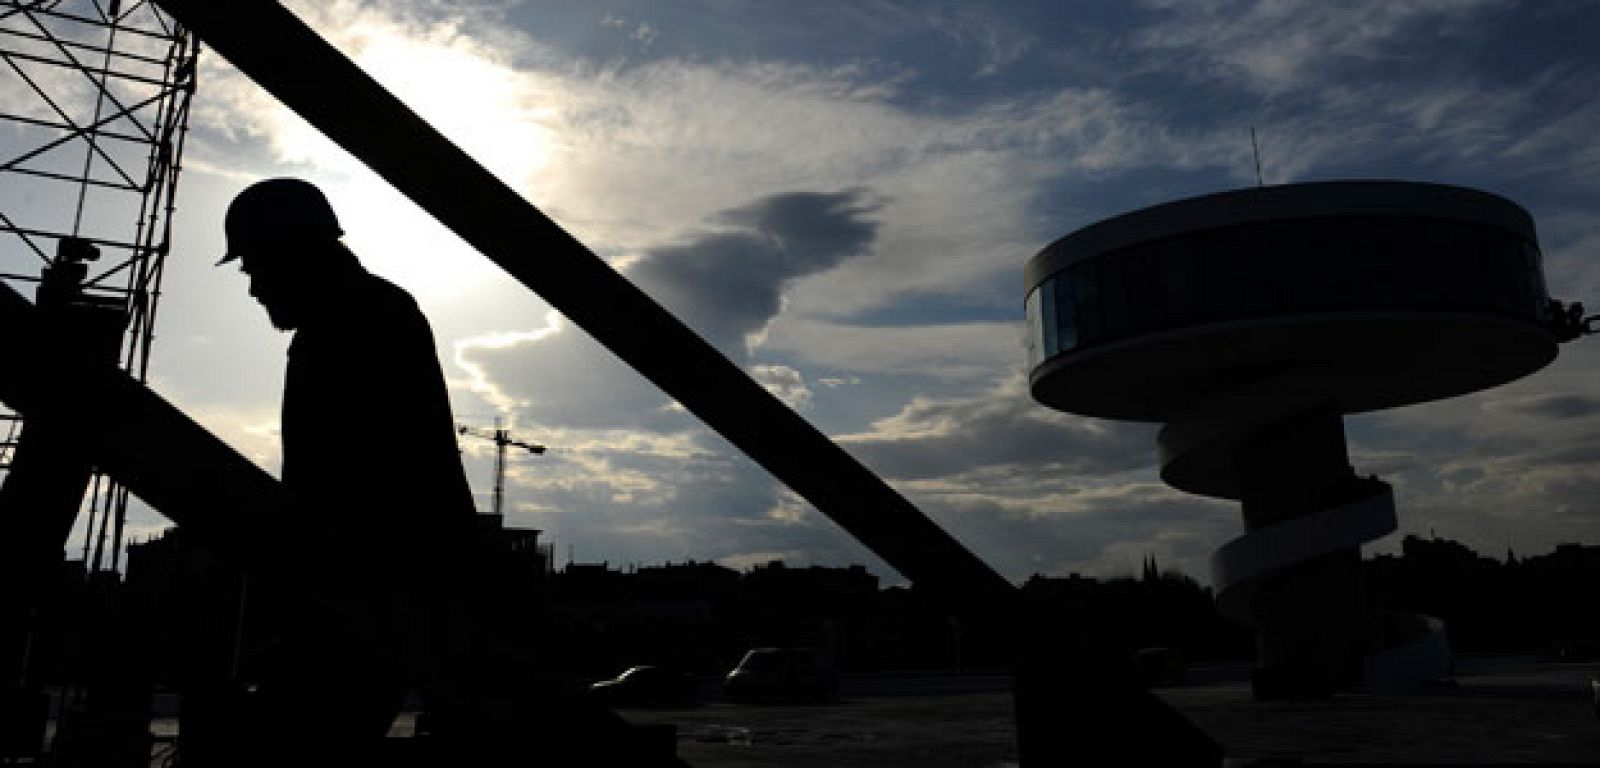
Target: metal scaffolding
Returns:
[[94, 105]]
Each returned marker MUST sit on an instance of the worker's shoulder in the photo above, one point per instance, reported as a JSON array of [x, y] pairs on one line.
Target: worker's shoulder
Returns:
[[376, 289], [375, 297]]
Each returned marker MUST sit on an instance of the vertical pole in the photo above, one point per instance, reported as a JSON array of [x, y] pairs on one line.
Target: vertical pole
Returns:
[[500, 440]]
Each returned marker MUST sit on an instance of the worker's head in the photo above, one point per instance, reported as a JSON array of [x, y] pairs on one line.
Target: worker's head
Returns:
[[285, 237]]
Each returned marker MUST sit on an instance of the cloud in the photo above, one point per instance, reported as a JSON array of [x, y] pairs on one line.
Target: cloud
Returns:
[[1098, 525], [1272, 47], [632, 157], [938, 437], [746, 560], [1452, 122], [478, 379], [1488, 500], [729, 282], [565, 379], [1554, 405], [668, 497], [640, 32], [998, 41], [1379, 88], [785, 382], [1512, 465], [950, 351], [1033, 490], [1570, 238]]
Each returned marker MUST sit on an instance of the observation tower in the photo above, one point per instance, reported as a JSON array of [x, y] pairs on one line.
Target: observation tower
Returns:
[[1248, 323]]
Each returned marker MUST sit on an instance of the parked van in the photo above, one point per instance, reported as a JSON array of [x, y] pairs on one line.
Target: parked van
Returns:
[[782, 676]]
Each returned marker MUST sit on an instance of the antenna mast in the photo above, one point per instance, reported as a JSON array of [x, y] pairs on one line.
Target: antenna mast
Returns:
[[1255, 149]]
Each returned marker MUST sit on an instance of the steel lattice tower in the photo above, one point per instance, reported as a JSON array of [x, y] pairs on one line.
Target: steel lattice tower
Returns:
[[94, 105]]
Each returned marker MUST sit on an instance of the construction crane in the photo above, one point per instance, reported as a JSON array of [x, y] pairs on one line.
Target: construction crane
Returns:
[[501, 438]]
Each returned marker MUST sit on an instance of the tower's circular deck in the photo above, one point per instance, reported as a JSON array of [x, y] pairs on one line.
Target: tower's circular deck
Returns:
[[1384, 293]]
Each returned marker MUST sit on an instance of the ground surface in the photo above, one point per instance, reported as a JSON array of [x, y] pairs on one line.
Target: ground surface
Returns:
[[972, 729], [1497, 713]]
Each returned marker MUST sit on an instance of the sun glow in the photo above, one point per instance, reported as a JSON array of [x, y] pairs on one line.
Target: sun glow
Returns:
[[499, 115]]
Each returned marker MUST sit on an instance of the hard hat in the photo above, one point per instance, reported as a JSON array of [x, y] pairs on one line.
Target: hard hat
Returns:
[[277, 212]]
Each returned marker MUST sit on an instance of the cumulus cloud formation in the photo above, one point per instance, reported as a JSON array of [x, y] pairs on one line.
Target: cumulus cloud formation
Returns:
[[728, 283], [1555, 405], [1003, 426]]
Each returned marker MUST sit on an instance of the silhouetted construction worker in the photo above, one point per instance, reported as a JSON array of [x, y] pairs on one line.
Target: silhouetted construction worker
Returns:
[[370, 457]]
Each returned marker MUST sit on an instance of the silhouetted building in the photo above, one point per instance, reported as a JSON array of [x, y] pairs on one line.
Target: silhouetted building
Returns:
[[1159, 609], [589, 583], [1248, 323], [524, 560], [812, 584]]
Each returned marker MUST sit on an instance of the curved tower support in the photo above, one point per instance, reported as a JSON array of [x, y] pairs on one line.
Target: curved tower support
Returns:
[[1294, 575]]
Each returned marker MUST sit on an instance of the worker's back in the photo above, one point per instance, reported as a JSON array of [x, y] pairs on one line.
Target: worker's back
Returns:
[[368, 440]]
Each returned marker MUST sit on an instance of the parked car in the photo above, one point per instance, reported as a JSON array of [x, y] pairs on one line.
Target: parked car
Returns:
[[782, 676], [1159, 666], [647, 686], [1572, 652]]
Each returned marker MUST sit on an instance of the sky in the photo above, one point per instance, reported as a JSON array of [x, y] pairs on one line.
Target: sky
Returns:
[[841, 197]]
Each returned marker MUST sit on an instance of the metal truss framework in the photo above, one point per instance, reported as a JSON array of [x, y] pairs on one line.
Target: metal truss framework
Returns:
[[94, 106]]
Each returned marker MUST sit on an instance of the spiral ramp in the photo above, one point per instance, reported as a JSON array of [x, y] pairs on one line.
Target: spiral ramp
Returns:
[[1321, 535], [1241, 566]]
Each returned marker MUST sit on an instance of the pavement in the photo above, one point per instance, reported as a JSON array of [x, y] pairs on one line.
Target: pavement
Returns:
[[1496, 711], [1508, 711]]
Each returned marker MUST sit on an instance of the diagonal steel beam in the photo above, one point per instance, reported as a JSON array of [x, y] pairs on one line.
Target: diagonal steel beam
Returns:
[[277, 50]]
